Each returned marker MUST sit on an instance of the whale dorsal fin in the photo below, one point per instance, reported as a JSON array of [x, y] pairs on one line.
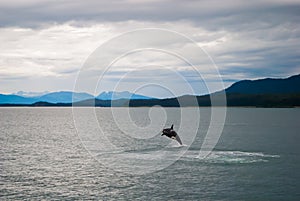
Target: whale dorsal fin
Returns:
[[172, 127]]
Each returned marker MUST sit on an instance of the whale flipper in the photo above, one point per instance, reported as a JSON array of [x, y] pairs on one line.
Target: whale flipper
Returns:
[[178, 139]]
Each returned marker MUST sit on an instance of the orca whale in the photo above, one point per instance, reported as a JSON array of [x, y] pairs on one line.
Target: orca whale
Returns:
[[169, 132]]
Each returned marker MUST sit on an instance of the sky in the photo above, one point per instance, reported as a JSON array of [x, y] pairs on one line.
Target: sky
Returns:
[[49, 45]]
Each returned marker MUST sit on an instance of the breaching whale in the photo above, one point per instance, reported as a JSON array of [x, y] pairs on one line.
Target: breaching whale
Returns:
[[169, 132]]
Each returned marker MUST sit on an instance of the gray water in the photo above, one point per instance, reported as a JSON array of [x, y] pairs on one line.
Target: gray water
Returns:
[[43, 157]]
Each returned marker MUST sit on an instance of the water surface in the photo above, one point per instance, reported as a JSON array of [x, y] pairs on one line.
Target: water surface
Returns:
[[42, 157]]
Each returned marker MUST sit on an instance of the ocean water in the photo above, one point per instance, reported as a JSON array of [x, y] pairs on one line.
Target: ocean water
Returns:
[[46, 153]]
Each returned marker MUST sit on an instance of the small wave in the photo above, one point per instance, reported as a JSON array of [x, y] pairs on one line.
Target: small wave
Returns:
[[110, 152], [177, 145], [142, 150]]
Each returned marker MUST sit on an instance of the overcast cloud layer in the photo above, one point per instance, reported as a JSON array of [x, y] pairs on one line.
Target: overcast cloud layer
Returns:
[[45, 43]]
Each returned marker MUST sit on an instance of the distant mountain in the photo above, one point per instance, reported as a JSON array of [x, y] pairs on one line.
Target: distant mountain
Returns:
[[120, 95], [240, 100], [64, 97], [267, 86], [30, 94], [14, 99], [54, 97], [257, 93]]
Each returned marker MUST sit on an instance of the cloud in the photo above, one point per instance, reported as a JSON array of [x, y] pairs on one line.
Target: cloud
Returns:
[[47, 41], [207, 12]]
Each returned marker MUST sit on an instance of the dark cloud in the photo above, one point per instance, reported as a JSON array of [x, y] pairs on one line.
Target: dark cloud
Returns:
[[211, 14]]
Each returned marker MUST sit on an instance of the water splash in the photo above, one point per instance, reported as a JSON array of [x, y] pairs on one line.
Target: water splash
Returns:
[[232, 157]]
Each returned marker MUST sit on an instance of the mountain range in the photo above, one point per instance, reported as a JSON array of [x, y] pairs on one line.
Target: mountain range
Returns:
[[266, 86], [30, 94], [267, 92], [121, 95], [65, 97]]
